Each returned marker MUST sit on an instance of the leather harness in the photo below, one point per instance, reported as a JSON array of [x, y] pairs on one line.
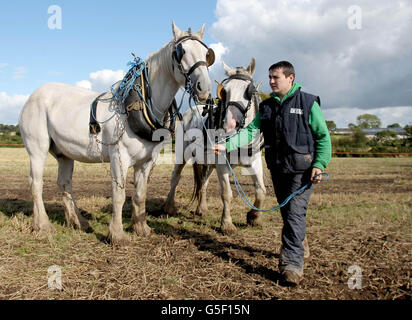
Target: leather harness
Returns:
[[138, 104]]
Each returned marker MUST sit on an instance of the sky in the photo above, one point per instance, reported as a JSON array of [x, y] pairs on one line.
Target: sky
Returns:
[[356, 55]]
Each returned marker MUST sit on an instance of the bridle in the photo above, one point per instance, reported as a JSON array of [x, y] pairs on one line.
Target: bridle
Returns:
[[178, 53], [250, 95]]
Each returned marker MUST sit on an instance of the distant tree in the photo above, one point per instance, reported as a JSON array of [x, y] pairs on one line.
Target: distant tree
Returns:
[[359, 137], [394, 125], [331, 125], [408, 133], [7, 128], [352, 126], [386, 136], [366, 121]]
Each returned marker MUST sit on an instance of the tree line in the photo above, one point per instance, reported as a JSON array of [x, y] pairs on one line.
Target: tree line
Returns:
[[384, 141], [10, 135]]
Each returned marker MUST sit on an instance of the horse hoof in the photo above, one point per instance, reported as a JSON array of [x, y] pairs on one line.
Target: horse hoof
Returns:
[[198, 213], [142, 230], [201, 211], [86, 227], [118, 240], [254, 219], [46, 228], [228, 229], [81, 224], [171, 211]]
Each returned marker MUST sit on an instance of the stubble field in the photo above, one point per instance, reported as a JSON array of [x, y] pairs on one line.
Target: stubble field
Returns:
[[361, 217]]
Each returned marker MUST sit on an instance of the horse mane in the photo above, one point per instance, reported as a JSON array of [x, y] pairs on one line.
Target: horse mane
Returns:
[[238, 70], [159, 61]]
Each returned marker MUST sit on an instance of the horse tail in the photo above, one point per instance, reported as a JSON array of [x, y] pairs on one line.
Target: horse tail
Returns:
[[199, 173]]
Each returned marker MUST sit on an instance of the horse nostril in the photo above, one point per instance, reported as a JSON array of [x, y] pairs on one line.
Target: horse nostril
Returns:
[[199, 88]]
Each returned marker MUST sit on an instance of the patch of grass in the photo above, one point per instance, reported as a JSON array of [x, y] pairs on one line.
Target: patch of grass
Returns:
[[362, 216]]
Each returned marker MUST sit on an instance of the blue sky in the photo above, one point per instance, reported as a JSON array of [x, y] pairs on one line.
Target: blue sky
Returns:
[[366, 69], [95, 35]]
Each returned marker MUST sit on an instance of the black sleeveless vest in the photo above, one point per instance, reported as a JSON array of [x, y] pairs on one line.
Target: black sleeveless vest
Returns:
[[289, 144]]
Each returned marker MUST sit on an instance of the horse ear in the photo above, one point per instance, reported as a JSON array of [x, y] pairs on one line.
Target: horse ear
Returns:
[[176, 31], [227, 69], [252, 67], [201, 32]]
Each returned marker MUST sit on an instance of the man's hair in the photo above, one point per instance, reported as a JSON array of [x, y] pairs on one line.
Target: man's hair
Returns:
[[286, 66]]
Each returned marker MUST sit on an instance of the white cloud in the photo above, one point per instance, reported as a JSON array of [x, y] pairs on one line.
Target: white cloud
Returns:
[[216, 70], [19, 73], [102, 80], [365, 69], [3, 65], [10, 107], [219, 50]]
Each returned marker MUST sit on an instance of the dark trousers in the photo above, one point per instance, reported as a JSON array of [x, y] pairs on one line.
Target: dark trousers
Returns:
[[294, 217]]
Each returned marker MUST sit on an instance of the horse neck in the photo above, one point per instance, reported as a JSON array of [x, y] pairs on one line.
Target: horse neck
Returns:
[[163, 84]]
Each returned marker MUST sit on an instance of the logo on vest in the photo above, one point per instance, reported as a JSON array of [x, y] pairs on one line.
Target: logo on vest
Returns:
[[296, 111]]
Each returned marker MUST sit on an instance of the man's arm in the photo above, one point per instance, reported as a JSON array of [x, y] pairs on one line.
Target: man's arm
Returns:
[[245, 136], [323, 145]]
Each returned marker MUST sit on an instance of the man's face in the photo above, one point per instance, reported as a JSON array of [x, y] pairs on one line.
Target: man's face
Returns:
[[279, 83]]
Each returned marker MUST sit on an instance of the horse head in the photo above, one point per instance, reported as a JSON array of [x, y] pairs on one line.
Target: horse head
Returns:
[[238, 95], [191, 60]]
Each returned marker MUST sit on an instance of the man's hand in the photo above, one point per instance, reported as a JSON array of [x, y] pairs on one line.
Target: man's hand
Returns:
[[315, 171], [219, 148]]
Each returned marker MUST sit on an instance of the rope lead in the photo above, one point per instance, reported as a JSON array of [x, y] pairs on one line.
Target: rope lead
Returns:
[[239, 188]]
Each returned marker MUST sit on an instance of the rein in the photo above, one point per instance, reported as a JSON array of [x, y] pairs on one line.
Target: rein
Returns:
[[238, 186]]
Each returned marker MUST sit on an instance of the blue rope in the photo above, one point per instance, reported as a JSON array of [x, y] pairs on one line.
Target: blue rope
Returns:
[[137, 67], [135, 71], [239, 188], [290, 197]]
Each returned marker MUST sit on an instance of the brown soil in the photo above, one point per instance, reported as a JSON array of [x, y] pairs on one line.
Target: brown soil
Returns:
[[187, 257]]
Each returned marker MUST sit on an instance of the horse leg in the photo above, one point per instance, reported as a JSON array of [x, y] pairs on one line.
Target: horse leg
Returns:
[[40, 221], [118, 170], [141, 175], [226, 226], [64, 181], [254, 217], [170, 207], [202, 204]]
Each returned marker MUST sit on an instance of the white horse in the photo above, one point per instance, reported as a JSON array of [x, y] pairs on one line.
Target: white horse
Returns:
[[241, 101], [55, 119]]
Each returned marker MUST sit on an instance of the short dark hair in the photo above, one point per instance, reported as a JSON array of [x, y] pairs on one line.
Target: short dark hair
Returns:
[[286, 66]]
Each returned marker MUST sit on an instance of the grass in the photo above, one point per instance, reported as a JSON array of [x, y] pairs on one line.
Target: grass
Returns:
[[361, 216]]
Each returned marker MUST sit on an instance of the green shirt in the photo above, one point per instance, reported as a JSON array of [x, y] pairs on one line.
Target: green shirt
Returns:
[[317, 123]]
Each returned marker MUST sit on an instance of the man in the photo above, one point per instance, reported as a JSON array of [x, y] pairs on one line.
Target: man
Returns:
[[297, 149]]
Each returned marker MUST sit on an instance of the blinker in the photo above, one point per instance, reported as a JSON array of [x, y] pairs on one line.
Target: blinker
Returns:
[[210, 57], [220, 90]]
